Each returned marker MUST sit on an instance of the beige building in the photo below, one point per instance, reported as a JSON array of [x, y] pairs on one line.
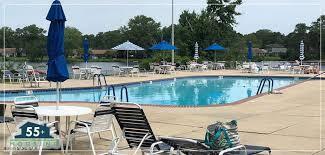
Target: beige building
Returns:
[[98, 53], [259, 52], [276, 49], [8, 52]]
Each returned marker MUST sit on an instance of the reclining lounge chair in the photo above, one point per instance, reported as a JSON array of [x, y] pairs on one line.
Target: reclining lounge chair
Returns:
[[138, 134]]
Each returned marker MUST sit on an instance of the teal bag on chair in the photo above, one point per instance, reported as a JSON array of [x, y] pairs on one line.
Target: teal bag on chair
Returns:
[[220, 136]]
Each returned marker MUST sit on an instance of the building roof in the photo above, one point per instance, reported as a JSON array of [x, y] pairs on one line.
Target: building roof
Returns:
[[274, 46], [8, 50], [98, 52], [259, 50]]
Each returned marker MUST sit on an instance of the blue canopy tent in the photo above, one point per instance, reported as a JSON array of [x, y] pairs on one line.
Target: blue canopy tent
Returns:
[[57, 66], [163, 46], [85, 44], [250, 51], [215, 47]]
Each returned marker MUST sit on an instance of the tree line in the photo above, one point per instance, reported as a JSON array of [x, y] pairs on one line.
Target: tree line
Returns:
[[215, 23]]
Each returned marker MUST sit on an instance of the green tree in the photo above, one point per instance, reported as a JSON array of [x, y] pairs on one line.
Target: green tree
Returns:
[[257, 43], [110, 39], [314, 39], [32, 40], [213, 24], [10, 40], [142, 30], [293, 40], [266, 37], [72, 40], [223, 11]]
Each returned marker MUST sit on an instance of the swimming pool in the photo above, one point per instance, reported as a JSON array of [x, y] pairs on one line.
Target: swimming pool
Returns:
[[189, 91]]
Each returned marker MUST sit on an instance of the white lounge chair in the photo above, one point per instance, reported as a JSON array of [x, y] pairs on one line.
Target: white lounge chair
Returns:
[[26, 100]]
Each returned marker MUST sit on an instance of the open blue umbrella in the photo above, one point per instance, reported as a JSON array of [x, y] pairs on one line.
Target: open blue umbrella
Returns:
[[250, 51], [85, 44], [214, 47], [57, 66], [163, 46]]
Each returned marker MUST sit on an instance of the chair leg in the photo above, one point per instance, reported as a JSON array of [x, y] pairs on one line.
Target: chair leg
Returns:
[[40, 148], [61, 145], [11, 149], [8, 128], [91, 143], [68, 141]]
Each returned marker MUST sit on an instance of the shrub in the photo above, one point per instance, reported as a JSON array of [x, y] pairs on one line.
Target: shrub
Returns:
[[145, 64]]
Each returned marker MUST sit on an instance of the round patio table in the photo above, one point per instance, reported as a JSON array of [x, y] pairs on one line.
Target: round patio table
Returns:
[[126, 69], [87, 71], [65, 111], [165, 68]]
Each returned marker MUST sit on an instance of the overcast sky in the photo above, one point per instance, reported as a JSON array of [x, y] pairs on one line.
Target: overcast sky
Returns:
[[103, 15]]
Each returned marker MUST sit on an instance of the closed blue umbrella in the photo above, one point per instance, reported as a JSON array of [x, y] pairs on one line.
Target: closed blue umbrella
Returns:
[[85, 44], [57, 66], [214, 47], [250, 51]]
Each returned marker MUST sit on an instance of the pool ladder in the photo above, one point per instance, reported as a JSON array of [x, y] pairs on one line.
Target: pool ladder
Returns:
[[124, 90], [99, 81], [262, 84], [99, 78], [126, 93]]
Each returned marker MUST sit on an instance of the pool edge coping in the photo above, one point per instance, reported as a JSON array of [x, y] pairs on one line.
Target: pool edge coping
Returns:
[[305, 79]]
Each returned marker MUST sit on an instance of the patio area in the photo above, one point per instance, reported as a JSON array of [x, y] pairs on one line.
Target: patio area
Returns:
[[289, 123]]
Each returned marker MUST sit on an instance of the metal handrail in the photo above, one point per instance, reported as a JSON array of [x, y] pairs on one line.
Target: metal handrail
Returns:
[[99, 83], [109, 90], [126, 93], [262, 84]]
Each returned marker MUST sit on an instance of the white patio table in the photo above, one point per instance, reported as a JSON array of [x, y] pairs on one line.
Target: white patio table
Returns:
[[165, 68], [87, 71], [62, 111], [126, 69]]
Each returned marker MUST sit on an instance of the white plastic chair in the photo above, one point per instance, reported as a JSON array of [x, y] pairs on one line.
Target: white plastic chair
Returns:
[[135, 70], [77, 72], [102, 122]]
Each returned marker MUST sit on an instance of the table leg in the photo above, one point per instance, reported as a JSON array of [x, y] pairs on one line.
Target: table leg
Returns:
[[67, 126], [57, 125]]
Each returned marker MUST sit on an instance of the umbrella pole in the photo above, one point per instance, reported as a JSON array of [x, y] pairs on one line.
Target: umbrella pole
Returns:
[[215, 56], [86, 64], [57, 96], [127, 58]]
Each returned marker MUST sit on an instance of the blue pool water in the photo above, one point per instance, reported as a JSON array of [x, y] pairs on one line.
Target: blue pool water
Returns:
[[182, 91]]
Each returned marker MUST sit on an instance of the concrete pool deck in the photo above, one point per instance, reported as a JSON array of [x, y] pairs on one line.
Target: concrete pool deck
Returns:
[[291, 123]]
